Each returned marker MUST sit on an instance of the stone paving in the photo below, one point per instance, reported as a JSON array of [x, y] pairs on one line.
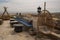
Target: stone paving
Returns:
[[7, 33]]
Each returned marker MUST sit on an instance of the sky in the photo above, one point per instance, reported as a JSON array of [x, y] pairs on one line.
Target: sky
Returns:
[[29, 5]]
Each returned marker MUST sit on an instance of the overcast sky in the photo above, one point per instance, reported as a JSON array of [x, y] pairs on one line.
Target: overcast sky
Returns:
[[29, 5]]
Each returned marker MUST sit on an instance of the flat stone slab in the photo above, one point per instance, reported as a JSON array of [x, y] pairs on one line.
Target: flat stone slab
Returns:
[[17, 25], [13, 21]]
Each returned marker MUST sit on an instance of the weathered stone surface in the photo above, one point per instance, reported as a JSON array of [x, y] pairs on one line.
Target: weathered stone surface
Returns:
[[7, 33]]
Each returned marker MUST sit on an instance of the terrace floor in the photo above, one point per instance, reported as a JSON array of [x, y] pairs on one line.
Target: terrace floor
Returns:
[[7, 33]]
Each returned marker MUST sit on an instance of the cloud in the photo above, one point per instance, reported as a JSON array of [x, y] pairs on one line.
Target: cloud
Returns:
[[21, 5], [4, 1], [30, 5]]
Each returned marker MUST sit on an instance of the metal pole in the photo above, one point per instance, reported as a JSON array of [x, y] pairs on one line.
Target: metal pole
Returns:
[[44, 5], [45, 10]]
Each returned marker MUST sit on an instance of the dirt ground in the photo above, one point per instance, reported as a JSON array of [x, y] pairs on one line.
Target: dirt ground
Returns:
[[7, 33]]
